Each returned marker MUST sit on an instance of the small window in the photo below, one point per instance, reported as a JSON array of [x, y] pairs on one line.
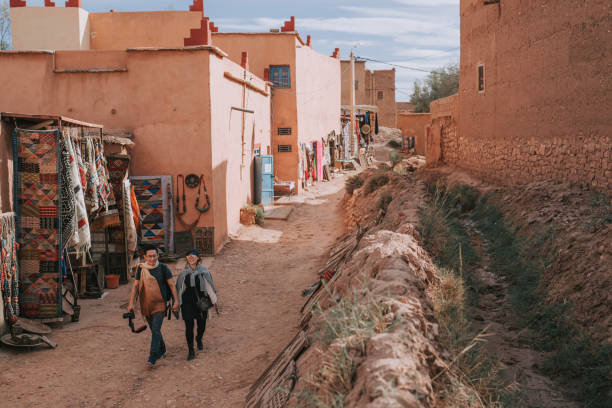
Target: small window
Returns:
[[380, 94], [257, 150], [481, 78], [284, 131], [356, 84], [279, 76], [284, 148]]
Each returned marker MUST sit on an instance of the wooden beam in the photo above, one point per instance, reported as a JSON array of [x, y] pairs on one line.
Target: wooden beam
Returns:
[[241, 81]]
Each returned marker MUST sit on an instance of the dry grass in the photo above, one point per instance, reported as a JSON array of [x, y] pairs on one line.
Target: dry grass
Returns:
[[345, 328], [470, 364]]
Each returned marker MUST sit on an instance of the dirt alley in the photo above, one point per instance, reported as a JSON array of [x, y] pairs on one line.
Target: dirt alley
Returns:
[[259, 276]]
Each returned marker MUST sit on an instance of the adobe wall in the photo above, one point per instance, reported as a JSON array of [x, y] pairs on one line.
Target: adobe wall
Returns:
[[318, 96], [383, 81], [232, 164], [50, 28], [414, 124], [265, 49], [441, 138], [361, 97], [544, 111], [171, 129], [119, 31]]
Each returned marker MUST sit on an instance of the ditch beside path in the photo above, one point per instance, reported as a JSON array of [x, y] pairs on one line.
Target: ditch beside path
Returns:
[[259, 276]]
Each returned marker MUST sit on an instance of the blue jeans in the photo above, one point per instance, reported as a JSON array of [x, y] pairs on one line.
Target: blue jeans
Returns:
[[158, 347]]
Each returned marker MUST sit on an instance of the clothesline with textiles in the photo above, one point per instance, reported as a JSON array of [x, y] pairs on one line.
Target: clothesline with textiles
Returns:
[[9, 277]]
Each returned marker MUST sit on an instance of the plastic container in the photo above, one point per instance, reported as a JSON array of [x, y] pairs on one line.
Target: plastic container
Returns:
[[112, 281]]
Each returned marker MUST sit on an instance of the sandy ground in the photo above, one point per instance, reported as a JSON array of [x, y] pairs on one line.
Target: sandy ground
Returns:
[[259, 276]]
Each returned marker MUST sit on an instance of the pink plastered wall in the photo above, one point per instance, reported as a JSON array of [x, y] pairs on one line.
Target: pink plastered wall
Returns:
[[172, 130], [318, 93], [232, 144], [264, 50]]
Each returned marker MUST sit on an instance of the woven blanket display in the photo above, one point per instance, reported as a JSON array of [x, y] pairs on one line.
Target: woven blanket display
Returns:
[[38, 207], [9, 276], [156, 223], [117, 170], [108, 215], [80, 239]]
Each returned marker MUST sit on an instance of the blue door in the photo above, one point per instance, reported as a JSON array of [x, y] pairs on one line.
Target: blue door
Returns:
[[267, 182]]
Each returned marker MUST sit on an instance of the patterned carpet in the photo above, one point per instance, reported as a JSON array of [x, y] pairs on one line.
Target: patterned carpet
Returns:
[[149, 194], [38, 202]]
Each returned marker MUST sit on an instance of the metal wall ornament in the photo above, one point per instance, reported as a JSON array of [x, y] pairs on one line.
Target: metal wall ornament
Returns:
[[192, 180]]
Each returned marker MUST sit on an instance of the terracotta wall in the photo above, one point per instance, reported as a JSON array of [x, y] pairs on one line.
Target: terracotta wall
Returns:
[[172, 130], [361, 96], [118, 31], [50, 28], [441, 138], [265, 49], [414, 124], [368, 85], [232, 144], [383, 81], [544, 112]]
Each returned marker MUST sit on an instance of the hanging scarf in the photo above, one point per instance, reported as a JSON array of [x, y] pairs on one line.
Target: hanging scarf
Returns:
[[376, 124], [104, 189], [149, 293], [93, 182], [70, 237], [9, 276], [128, 216], [83, 241]]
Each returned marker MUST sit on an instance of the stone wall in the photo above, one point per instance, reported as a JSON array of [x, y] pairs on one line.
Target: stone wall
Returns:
[[542, 108]]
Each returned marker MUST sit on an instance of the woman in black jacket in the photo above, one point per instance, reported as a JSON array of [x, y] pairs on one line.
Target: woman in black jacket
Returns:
[[194, 283]]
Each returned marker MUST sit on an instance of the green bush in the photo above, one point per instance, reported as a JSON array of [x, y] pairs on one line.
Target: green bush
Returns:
[[375, 182], [353, 183], [394, 144]]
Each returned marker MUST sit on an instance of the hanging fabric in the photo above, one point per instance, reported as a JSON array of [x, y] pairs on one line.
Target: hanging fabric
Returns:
[[180, 180], [9, 274], [376, 124], [38, 206], [81, 241], [128, 217], [93, 182]]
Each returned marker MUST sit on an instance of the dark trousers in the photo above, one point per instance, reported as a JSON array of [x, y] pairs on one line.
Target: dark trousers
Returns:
[[201, 319], [158, 347]]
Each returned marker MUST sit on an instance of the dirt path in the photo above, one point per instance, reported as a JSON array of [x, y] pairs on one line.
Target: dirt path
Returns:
[[517, 363], [259, 276]]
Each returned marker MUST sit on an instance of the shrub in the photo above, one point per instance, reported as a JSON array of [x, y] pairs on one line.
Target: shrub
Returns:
[[394, 144], [394, 157], [384, 201], [353, 183], [375, 182]]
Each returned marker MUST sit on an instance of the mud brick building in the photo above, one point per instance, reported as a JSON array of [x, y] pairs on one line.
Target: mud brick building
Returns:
[[534, 93], [305, 92], [371, 88], [190, 108]]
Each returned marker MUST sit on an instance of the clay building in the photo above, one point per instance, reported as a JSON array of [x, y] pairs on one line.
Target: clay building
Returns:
[[404, 107], [414, 125], [534, 95], [375, 88], [305, 93], [191, 109]]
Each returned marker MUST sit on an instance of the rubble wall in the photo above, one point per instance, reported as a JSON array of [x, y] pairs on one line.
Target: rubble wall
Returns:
[[541, 111]]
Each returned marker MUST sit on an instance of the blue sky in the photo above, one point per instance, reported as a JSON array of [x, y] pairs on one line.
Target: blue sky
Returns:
[[421, 34]]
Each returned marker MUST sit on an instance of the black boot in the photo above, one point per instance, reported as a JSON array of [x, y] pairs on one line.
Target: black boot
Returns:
[[200, 344], [191, 354]]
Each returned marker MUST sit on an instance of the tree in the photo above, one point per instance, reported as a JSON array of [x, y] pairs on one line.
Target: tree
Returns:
[[5, 26], [439, 83]]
